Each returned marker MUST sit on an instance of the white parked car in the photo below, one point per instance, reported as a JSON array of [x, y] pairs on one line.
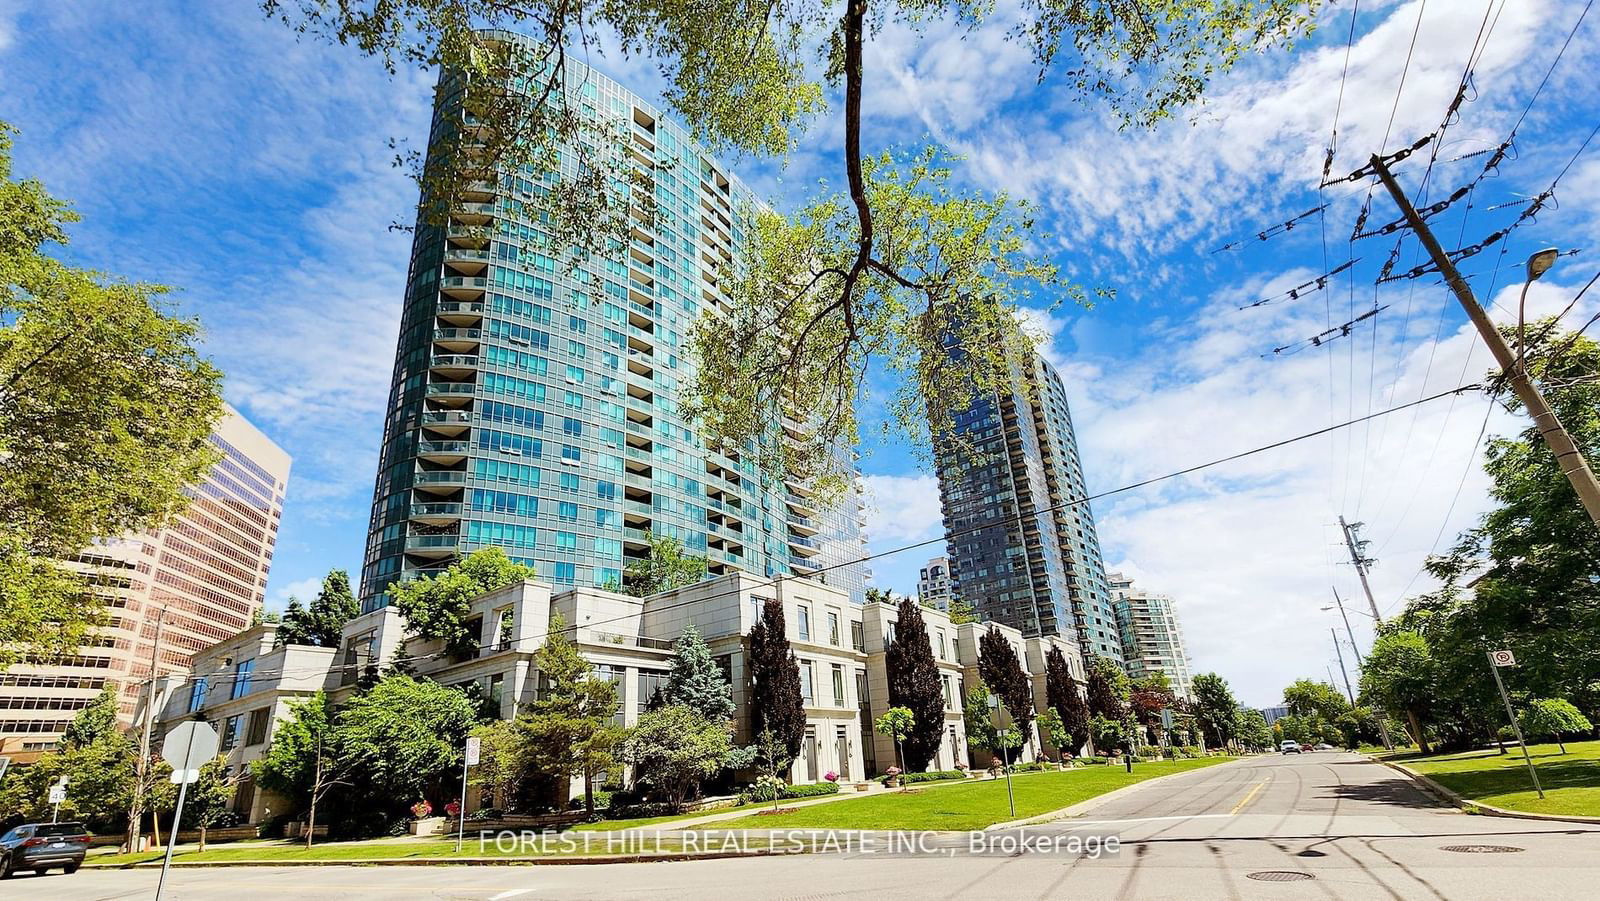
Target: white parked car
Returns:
[[1290, 747]]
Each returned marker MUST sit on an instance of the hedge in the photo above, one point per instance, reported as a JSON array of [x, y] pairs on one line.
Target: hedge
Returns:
[[794, 791], [931, 776]]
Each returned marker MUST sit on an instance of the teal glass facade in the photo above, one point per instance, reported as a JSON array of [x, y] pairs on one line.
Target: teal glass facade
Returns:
[[535, 407]]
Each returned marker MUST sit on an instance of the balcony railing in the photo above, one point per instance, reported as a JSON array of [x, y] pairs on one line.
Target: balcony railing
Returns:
[[444, 509], [439, 478], [431, 542], [443, 447], [456, 388]]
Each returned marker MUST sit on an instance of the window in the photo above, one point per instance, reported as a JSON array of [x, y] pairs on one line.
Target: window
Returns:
[[569, 481], [833, 627], [566, 573], [803, 622], [807, 683], [197, 694], [857, 639], [257, 731], [241, 678], [942, 656], [948, 684], [230, 733], [606, 490], [838, 685], [567, 511]]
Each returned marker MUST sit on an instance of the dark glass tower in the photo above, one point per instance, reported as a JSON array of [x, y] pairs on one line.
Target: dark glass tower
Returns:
[[537, 409], [1014, 556]]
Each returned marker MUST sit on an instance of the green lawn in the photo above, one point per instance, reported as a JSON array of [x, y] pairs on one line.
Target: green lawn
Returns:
[[428, 849], [1571, 781], [614, 825], [971, 806]]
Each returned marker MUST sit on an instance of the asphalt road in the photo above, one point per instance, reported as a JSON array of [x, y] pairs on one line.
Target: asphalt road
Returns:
[[1338, 826]]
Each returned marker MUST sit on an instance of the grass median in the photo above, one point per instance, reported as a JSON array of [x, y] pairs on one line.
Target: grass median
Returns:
[[1571, 781], [962, 807], [568, 844]]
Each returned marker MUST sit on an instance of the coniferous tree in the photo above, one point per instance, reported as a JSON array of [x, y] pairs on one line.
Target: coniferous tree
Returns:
[[1107, 685], [914, 685], [696, 681], [1002, 672], [1062, 696], [569, 727], [776, 703]]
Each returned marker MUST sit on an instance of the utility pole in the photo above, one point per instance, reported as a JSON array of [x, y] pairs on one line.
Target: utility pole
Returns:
[[1568, 457], [1342, 671], [1361, 564], [1383, 725], [136, 809], [1339, 602]]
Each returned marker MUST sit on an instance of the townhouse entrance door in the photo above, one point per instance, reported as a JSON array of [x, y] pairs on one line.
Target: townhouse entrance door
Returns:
[[841, 744]]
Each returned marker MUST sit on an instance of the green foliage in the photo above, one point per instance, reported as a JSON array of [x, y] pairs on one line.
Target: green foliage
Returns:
[[1215, 708], [1251, 729], [1108, 689], [896, 722], [569, 726], [94, 723], [675, 748], [914, 687], [404, 737], [106, 408], [503, 762], [766, 789], [1400, 677], [1063, 696], [1108, 734], [321, 624], [98, 758], [1307, 696], [436, 607], [931, 776], [1553, 718], [984, 730], [696, 681], [667, 567], [999, 668], [776, 702], [209, 796], [289, 768], [962, 611], [1050, 724]]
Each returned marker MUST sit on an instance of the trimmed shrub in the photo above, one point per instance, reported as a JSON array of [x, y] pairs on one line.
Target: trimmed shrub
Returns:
[[763, 791], [931, 776]]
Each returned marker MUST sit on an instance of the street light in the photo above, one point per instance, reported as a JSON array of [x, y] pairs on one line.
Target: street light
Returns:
[[1539, 262]]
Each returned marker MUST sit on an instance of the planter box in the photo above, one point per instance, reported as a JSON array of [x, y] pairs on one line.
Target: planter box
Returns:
[[225, 834], [297, 829], [427, 826]]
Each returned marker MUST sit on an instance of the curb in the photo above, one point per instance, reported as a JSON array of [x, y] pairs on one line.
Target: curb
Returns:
[[1088, 804], [575, 860], [1468, 805]]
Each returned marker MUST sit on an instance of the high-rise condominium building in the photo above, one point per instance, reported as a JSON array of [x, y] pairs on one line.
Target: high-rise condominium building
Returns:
[[536, 407], [196, 581], [1152, 641], [1021, 537], [933, 583]]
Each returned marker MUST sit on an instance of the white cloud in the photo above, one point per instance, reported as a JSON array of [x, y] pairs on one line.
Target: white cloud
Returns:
[[903, 508], [304, 589]]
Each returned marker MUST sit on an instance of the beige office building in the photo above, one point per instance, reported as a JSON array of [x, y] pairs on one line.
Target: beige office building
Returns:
[[194, 583]]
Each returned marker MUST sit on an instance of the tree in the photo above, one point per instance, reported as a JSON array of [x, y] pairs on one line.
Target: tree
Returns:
[[696, 681], [775, 699], [772, 756], [1061, 695], [403, 739], [1108, 689], [675, 748], [665, 568], [1305, 697], [1148, 697], [883, 272], [983, 732], [96, 756], [1000, 669], [914, 685], [1553, 718], [94, 723], [106, 408], [436, 607], [1399, 677], [1251, 729], [1109, 734], [206, 803], [962, 611], [897, 723], [305, 762], [322, 624], [1050, 724], [569, 726], [503, 760], [1215, 708]]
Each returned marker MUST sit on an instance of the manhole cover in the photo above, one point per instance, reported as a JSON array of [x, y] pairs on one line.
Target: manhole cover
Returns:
[[1481, 849], [1279, 876]]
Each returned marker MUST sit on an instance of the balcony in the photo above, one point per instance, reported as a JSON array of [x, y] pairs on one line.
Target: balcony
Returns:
[[432, 545], [453, 365], [466, 260], [801, 564], [802, 525], [810, 544], [449, 422], [440, 482], [464, 287], [451, 392], [472, 213], [467, 235], [635, 536], [443, 451], [463, 313], [457, 339], [435, 513]]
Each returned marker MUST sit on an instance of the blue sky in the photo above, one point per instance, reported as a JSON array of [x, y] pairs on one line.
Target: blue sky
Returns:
[[209, 149]]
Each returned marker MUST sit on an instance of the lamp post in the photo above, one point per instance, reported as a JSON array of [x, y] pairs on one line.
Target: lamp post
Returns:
[[994, 705], [1539, 262]]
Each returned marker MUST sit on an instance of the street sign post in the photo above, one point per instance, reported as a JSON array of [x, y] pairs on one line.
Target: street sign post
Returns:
[[187, 746], [1498, 659], [58, 793], [474, 750]]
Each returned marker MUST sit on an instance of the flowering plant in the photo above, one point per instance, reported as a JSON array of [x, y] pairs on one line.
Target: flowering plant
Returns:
[[892, 771], [421, 809], [453, 808]]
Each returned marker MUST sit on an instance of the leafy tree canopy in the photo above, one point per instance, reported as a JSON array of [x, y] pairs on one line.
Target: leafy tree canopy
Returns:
[[404, 737], [1554, 718], [437, 606], [106, 408], [675, 748], [1215, 707], [882, 272], [667, 567], [320, 625], [569, 726], [1400, 677]]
